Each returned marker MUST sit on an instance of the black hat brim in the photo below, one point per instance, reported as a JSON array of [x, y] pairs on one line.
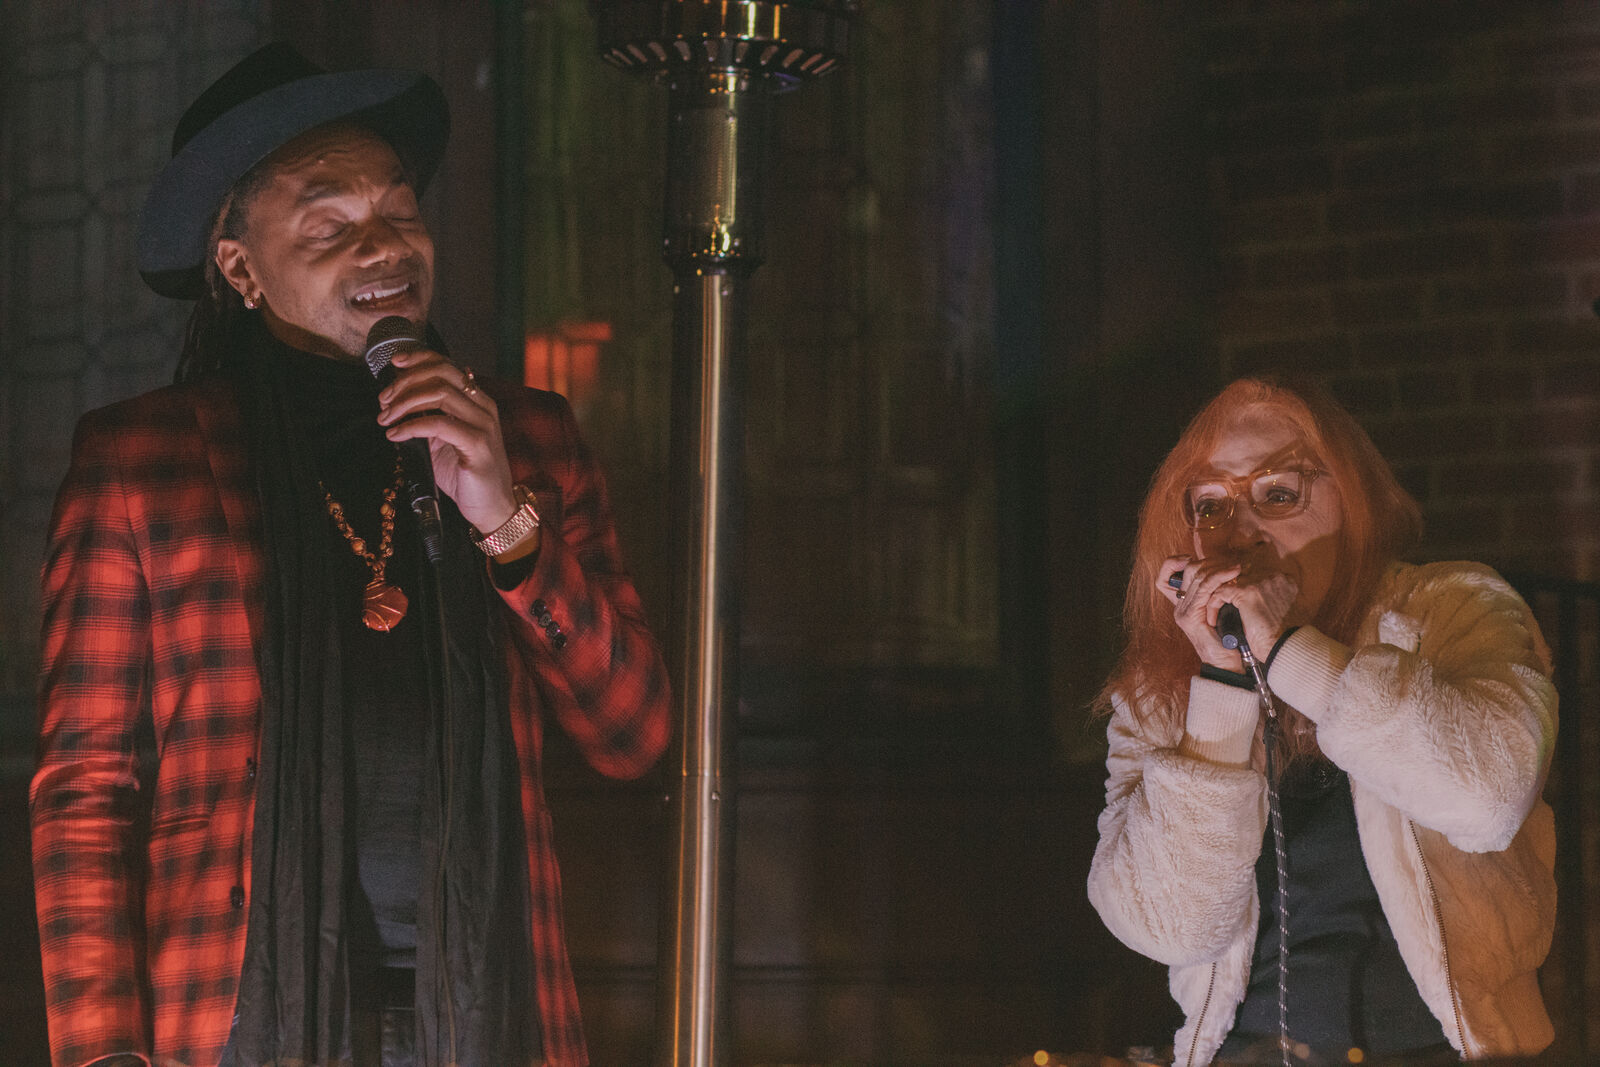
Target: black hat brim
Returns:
[[405, 108]]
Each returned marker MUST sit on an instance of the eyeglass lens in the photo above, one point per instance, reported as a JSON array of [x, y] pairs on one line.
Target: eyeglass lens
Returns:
[[1272, 495]]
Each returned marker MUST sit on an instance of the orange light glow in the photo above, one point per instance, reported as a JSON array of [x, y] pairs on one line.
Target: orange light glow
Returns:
[[566, 360]]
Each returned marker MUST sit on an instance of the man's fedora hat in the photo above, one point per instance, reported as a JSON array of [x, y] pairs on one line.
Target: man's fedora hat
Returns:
[[268, 99]]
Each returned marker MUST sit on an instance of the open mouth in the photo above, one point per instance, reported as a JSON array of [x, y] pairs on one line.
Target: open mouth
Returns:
[[383, 296]]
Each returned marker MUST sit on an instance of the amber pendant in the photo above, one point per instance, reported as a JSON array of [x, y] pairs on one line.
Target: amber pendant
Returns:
[[383, 605]]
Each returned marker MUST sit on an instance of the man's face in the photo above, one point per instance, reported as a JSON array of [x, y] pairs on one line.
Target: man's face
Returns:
[[332, 243]]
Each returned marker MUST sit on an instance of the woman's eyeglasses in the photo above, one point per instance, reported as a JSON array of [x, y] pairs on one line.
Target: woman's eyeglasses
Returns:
[[1271, 494]]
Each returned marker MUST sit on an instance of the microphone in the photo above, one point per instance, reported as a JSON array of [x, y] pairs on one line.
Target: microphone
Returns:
[[388, 337], [1230, 631], [1230, 628]]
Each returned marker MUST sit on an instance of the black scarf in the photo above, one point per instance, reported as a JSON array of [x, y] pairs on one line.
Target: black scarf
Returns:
[[473, 972]]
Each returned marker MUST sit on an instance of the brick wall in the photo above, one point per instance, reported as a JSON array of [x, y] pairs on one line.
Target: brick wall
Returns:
[[1407, 198]]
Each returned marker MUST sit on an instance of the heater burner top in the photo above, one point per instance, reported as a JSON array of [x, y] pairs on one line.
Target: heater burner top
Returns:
[[789, 41]]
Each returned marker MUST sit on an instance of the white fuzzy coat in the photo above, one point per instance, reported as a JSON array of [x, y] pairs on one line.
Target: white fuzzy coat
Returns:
[[1444, 717]]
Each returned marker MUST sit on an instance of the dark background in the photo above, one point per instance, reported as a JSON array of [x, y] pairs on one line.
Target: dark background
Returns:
[[1012, 246]]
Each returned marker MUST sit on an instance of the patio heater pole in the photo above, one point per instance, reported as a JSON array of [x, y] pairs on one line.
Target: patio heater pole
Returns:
[[722, 62]]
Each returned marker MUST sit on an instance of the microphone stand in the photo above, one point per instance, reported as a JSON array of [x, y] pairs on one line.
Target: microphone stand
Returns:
[[1230, 630]]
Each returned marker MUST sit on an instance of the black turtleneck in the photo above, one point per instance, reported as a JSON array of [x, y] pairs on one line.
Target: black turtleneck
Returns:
[[385, 680]]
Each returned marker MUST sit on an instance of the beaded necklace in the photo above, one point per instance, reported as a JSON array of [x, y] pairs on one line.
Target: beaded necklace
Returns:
[[383, 604]]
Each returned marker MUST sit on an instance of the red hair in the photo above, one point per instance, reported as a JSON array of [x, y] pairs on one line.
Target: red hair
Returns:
[[1380, 523]]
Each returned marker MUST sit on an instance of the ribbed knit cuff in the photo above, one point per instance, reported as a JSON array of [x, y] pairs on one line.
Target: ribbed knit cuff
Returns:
[[1266, 664], [1221, 722], [1307, 669], [1237, 679]]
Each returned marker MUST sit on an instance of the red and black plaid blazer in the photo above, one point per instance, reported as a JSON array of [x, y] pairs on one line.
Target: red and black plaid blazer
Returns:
[[153, 604]]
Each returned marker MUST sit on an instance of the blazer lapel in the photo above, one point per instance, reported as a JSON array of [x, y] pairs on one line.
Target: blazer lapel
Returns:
[[221, 427]]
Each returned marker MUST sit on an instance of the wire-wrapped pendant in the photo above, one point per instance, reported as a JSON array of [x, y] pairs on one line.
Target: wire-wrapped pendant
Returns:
[[383, 605]]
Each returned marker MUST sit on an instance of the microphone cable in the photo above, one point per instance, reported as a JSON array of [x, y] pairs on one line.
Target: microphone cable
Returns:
[[390, 335], [447, 812], [1230, 629]]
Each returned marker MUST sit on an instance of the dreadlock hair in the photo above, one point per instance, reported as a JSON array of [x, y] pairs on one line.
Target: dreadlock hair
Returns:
[[1380, 523], [220, 312]]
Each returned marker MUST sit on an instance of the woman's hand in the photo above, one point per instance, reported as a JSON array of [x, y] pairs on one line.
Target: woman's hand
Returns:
[[1264, 599]]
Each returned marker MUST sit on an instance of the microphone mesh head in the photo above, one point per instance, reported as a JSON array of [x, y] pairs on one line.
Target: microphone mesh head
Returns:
[[390, 334]]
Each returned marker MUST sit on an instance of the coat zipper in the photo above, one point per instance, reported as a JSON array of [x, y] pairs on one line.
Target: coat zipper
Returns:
[[1444, 946], [1201, 1018]]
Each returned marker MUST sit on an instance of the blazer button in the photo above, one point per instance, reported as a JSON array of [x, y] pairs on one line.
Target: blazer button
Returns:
[[236, 897], [553, 628], [250, 770], [537, 608], [559, 640], [545, 620]]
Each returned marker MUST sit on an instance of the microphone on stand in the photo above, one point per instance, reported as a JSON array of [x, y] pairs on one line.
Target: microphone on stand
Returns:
[[389, 336]]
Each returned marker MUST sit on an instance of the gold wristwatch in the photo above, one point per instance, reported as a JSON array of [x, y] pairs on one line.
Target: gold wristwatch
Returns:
[[522, 522]]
